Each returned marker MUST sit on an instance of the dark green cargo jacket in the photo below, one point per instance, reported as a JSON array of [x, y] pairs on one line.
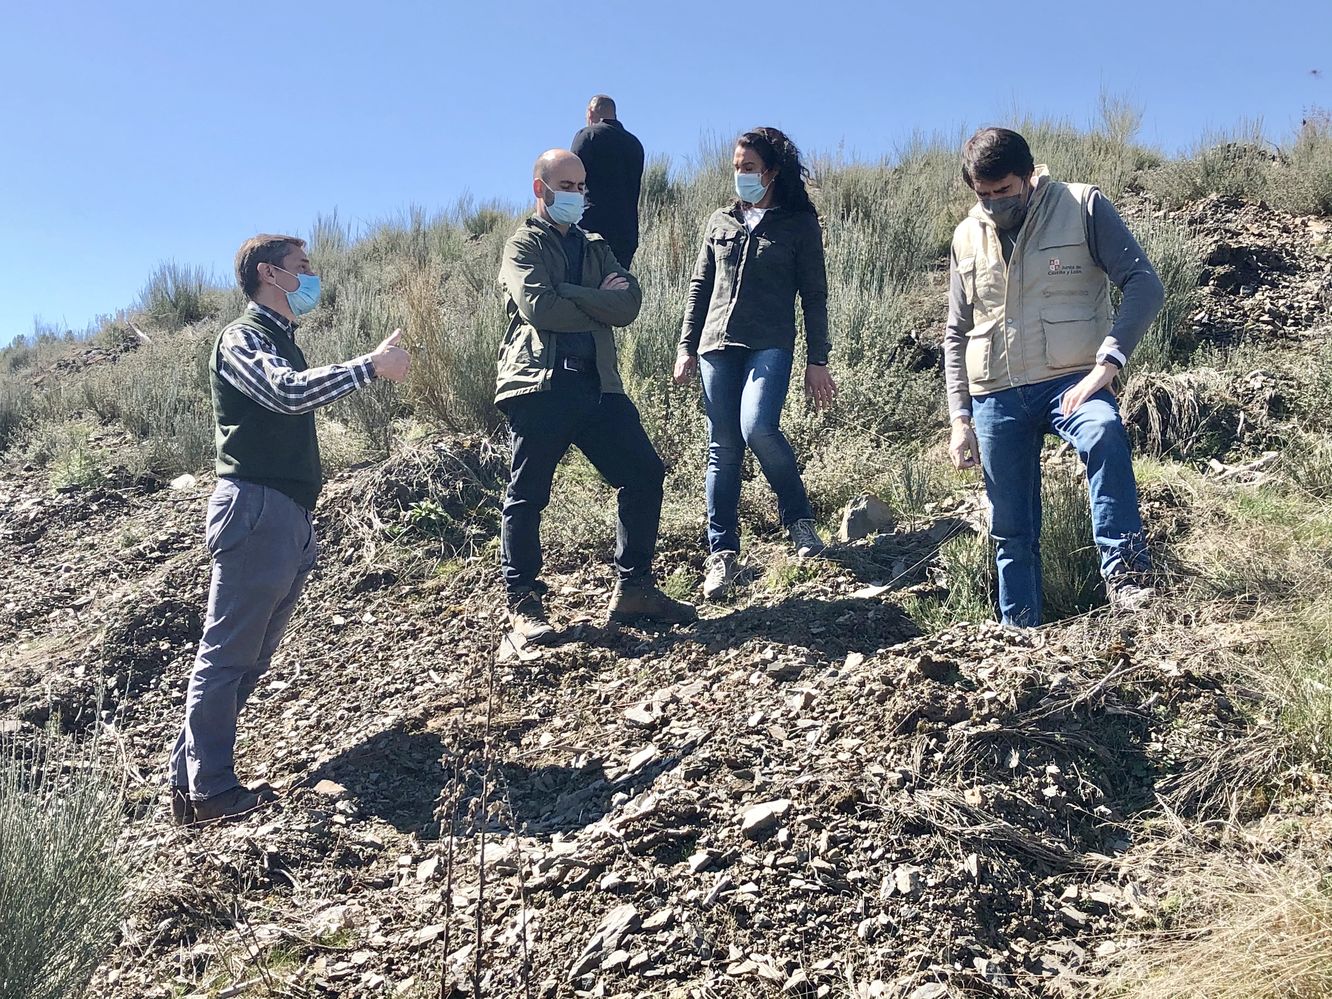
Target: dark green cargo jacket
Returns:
[[742, 293], [542, 302]]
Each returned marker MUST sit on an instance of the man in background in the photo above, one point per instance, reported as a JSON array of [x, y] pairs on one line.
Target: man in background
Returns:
[[613, 158]]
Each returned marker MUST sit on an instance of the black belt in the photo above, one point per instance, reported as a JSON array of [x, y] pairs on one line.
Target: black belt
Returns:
[[583, 365]]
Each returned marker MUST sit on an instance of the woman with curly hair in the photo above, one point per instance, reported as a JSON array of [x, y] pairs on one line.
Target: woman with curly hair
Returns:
[[739, 329]]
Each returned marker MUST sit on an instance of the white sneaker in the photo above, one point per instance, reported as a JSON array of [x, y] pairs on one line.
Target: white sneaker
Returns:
[[717, 584], [805, 538]]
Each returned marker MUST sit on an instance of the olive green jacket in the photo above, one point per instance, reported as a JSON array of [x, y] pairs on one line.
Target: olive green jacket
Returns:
[[542, 301]]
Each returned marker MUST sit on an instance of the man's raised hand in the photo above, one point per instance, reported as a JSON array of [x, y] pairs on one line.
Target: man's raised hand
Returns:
[[390, 360]]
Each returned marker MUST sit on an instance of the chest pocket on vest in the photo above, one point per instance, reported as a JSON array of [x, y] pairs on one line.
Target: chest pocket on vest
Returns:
[[983, 285], [1072, 287]]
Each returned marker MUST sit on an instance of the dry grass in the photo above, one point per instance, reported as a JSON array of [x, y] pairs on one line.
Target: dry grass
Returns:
[[1256, 932], [1185, 415]]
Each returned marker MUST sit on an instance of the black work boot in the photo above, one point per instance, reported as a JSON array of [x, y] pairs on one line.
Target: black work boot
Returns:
[[527, 618], [639, 599]]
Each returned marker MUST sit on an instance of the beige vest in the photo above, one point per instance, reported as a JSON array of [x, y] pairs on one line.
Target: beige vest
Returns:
[[1046, 312]]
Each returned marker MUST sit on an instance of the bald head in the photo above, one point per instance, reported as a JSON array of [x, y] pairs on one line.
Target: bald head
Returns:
[[556, 170], [554, 163]]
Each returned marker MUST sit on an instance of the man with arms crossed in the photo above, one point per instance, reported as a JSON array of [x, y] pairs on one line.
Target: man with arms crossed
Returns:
[[558, 385], [259, 529], [1031, 347]]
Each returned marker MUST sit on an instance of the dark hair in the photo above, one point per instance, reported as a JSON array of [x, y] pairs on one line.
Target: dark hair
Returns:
[[261, 249], [777, 151], [993, 153], [602, 106]]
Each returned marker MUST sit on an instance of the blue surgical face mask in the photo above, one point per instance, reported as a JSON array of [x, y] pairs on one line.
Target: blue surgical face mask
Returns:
[[750, 187], [567, 208], [306, 295]]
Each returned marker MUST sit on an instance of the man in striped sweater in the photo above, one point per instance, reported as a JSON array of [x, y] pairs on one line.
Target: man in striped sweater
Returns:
[[259, 529]]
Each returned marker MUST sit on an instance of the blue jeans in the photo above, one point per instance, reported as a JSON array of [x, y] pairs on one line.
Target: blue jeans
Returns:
[[743, 391], [1010, 428]]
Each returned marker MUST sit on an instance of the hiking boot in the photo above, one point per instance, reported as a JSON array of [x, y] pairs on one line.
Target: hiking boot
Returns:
[[641, 600], [1128, 590], [182, 808], [233, 804], [719, 581], [805, 538], [527, 618]]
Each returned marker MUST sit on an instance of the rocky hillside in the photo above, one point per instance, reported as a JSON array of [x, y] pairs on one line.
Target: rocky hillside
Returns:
[[804, 794]]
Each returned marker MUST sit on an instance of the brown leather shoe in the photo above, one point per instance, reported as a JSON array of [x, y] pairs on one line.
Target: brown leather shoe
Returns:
[[233, 804], [641, 600], [527, 619]]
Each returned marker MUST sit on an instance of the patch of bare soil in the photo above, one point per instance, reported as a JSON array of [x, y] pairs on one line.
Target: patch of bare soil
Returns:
[[796, 794]]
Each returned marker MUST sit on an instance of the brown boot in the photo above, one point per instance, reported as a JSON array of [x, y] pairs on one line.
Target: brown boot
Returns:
[[639, 599], [233, 804], [527, 619]]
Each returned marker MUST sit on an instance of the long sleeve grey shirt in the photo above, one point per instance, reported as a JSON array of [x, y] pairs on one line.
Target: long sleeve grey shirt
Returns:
[[1115, 251]]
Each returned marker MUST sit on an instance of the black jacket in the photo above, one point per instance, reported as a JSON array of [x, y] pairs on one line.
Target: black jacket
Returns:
[[742, 293], [614, 161]]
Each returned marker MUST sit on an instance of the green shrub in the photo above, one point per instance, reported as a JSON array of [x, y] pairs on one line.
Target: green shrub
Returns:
[[62, 874], [177, 296], [966, 572], [1070, 560], [1236, 165], [1178, 258], [16, 403], [362, 317], [1302, 182], [159, 393]]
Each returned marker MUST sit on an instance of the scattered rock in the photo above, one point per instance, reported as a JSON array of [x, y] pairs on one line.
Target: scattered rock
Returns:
[[761, 820], [865, 515]]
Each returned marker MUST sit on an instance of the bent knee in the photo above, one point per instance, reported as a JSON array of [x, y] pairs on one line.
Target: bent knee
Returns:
[[1102, 432], [654, 472], [761, 434]]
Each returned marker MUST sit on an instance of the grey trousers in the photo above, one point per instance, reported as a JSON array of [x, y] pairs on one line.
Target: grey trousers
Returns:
[[263, 547]]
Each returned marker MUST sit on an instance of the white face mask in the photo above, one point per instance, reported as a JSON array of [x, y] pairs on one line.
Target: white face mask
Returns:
[[749, 187], [567, 206]]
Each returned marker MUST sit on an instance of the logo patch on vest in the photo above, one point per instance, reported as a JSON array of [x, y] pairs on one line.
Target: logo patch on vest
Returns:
[[1057, 268]]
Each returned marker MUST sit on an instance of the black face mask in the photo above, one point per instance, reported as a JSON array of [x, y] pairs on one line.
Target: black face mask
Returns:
[[1007, 213]]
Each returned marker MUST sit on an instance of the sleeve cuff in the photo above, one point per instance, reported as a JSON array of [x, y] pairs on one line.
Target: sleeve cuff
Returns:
[[1115, 357], [957, 413]]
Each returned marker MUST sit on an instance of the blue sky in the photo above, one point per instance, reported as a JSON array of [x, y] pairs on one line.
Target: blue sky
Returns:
[[134, 133]]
